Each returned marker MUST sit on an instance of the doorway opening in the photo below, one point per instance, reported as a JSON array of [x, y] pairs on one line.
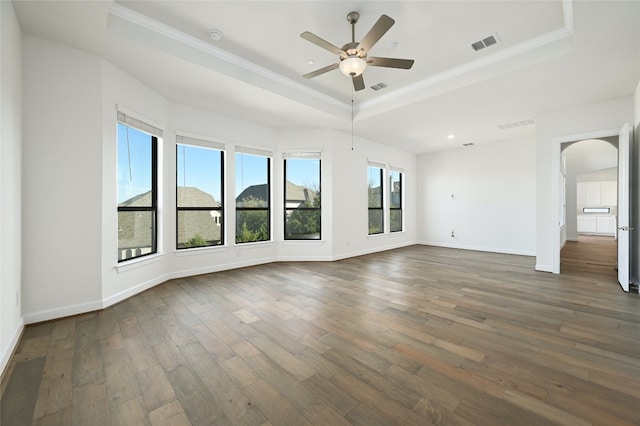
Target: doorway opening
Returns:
[[589, 174]]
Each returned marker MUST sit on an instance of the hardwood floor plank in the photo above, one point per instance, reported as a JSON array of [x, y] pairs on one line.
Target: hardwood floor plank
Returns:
[[275, 407], [20, 397], [155, 388], [194, 397], [91, 405], [171, 414]]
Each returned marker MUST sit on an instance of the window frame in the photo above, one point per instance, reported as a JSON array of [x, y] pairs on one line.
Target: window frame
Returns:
[[143, 127], [197, 143], [401, 203], [382, 205], [301, 156], [269, 158]]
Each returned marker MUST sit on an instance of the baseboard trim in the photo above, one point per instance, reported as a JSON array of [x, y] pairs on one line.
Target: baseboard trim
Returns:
[[9, 351], [66, 311]]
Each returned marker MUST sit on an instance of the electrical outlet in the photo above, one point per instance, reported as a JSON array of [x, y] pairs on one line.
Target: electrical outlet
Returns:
[[453, 234]]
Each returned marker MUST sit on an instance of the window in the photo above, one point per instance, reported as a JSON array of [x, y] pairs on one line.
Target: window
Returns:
[[253, 189], [302, 196], [199, 193], [395, 201], [375, 190], [137, 187]]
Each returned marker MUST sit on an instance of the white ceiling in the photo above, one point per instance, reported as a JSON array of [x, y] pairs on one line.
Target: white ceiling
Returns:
[[552, 55]]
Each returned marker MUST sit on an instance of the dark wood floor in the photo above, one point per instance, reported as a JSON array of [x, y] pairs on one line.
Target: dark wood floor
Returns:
[[590, 254], [415, 336]]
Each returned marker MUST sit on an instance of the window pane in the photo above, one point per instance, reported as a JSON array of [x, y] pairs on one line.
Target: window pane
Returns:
[[303, 182], [135, 234], [252, 225], [396, 220], [252, 181], [134, 167], [199, 228], [375, 221], [395, 200], [199, 176], [302, 199], [375, 186], [302, 224]]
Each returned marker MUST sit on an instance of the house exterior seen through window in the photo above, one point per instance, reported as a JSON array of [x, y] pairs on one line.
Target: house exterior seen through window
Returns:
[[137, 191], [375, 194], [253, 189], [302, 197], [199, 195]]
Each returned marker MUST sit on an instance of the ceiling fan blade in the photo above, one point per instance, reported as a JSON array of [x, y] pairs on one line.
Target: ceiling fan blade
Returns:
[[322, 43], [390, 62], [358, 82], [375, 33], [321, 71]]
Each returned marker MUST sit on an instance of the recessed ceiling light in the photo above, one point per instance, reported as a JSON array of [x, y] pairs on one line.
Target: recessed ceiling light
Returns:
[[451, 136], [311, 62], [215, 35]]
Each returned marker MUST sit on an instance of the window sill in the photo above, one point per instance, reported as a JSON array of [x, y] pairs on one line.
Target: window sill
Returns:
[[138, 263], [257, 244], [377, 236], [199, 250]]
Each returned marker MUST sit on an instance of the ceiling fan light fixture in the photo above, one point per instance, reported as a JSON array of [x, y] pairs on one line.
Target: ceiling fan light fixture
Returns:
[[352, 66]]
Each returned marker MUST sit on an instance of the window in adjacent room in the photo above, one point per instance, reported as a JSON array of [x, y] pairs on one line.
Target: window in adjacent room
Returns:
[[199, 193], [253, 195], [302, 196], [375, 193], [137, 187], [395, 200]]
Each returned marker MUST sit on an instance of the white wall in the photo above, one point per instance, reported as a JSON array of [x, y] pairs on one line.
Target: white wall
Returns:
[[10, 181], [586, 122], [584, 157], [62, 180], [70, 230], [493, 204]]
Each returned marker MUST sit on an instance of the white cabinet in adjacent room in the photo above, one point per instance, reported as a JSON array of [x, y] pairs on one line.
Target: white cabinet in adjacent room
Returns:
[[601, 193], [596, 224], [609, 193]]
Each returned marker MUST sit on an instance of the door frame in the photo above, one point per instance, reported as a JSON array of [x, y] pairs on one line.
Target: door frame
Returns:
[[556, 158]]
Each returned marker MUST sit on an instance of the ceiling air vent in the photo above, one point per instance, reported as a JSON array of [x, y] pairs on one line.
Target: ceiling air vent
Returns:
[[379, 86], [485, 42], [468, 144], [515, 124]]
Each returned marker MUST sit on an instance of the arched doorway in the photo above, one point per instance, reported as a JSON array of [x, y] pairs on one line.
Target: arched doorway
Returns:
[[588, 222]]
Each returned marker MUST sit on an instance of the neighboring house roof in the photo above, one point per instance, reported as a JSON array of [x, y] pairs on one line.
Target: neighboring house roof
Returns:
[[189, 196], [294, 192], [256, 192]]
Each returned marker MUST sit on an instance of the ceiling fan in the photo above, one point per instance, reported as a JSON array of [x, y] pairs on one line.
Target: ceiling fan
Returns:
[[353, 56]]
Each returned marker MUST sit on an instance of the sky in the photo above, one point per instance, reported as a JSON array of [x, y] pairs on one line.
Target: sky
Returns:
[[197, 167]]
